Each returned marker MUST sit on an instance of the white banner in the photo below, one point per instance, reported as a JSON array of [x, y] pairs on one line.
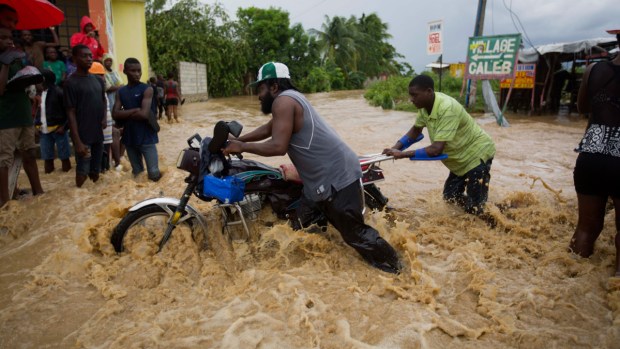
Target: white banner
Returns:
[[434, 44]]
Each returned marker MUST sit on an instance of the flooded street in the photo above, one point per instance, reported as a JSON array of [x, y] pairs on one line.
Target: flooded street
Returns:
[[464, 285]]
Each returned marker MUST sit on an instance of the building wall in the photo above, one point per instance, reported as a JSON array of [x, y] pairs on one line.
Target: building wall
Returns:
[[129, 28], [74, 10], [193, 81], [121, 25]]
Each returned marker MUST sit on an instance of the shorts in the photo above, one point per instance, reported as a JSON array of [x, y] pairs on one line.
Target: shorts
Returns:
[[172, 101], [21, 138], [597, 175]]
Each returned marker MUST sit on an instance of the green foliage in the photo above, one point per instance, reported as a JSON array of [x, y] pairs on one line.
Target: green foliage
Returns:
[[388, 94], [355, 80], [393, 93], [317, 80], [303, 52], [266, 33], [358, 47], [336, 76], [376, 55], [341, 56], [192, 32]]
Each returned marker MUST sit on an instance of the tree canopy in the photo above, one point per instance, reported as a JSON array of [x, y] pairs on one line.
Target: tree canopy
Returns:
[[342, 55]]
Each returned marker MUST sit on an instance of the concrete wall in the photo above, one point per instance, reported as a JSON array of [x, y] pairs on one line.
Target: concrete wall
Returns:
[[193, 81]]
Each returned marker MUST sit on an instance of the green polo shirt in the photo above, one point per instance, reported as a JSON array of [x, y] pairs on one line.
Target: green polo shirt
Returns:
[[466, 143]]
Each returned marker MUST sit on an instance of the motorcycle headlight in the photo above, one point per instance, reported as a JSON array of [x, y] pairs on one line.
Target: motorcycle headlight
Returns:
[[189, 160]]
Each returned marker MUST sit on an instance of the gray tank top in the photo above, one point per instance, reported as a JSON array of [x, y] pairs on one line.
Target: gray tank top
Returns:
[[324, 162]]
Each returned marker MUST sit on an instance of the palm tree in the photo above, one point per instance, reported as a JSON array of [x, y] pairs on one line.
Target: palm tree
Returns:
[[337, 41], [377, 55]]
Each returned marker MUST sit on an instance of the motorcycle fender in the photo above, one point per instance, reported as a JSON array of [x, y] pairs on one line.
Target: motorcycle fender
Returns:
[[167, 202]]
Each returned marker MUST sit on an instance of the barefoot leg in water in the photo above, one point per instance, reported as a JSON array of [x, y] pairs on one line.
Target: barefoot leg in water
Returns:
[[589, 225], [617, 241]]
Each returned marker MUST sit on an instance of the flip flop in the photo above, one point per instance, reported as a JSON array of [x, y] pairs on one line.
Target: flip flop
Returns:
[[220, 136]]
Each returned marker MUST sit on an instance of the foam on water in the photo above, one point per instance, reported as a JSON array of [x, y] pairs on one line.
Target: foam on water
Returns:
[[463, 284]]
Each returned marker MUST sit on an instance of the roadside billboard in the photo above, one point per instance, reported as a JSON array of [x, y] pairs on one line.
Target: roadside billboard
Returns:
[[525, 77], [492, 57], [434, 45]]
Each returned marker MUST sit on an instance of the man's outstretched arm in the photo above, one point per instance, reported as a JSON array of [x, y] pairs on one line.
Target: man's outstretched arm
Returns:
[[283, 113]]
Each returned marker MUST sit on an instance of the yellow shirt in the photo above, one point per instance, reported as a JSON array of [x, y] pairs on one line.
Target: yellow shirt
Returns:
[[466, 143]]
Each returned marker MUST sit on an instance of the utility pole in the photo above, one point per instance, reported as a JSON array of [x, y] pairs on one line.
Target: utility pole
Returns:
[[482, 5], [478, 28]]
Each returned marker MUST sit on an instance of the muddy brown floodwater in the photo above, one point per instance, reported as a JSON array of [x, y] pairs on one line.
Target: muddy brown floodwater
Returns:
[[465, 285]]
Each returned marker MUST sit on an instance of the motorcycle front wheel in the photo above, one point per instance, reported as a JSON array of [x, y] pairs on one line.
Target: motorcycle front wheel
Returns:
[[147, 226]]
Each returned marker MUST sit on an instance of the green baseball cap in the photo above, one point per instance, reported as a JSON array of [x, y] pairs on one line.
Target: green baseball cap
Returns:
[[271, 70]]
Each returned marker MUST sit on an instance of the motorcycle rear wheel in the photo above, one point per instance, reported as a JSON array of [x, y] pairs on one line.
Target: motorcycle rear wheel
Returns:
[[149, 223]]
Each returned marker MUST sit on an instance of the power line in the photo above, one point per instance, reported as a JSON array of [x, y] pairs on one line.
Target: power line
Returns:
[[512, 17], [308, 9]]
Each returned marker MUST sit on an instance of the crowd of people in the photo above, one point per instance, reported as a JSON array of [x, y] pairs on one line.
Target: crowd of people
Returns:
[[75, 99]]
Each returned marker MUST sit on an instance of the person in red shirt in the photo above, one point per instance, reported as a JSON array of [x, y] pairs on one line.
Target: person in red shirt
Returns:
[[89, 38]]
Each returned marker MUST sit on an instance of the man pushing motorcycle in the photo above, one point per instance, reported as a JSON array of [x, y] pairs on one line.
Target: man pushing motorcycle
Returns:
[[329, 169]]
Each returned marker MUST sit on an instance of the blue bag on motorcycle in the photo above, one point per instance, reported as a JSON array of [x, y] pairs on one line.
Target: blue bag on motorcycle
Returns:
[[227, 189]]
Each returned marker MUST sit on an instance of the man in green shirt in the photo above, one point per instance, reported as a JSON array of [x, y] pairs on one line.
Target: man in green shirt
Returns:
[[455, 133]]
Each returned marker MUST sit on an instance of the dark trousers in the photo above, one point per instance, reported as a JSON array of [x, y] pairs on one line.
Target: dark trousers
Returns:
[[344, 211], [471, 190], [161, 105]]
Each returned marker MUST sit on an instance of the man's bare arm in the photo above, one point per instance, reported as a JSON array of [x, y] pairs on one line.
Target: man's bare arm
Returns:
[[55, 42], [80, 148], [283, 119], [145, 108], [259, 134], [121, 114]]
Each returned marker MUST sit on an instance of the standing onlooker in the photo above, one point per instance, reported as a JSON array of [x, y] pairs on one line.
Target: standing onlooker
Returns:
[[597, 170], [52, 121], [88, 36], [66, 57], [134, 106], [35, 50], [98, 70], [86, 108], [173, 98], [16, 126], [153, 84], [54, 64], [8, 17], [112, 79], [161, 100]]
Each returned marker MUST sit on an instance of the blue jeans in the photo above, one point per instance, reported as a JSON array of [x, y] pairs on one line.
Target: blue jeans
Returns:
[[90, 165], [135, 153], [60, 140]]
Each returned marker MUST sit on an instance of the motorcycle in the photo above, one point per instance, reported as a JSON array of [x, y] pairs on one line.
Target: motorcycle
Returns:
[[205, 163]]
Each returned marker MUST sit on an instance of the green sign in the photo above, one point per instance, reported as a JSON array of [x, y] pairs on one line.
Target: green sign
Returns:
[[492, 57]]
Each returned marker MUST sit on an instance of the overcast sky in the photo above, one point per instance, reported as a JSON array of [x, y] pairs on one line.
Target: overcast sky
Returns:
[[545, 21]]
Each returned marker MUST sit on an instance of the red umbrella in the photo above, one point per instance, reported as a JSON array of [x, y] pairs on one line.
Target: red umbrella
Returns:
[[35, 14]]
